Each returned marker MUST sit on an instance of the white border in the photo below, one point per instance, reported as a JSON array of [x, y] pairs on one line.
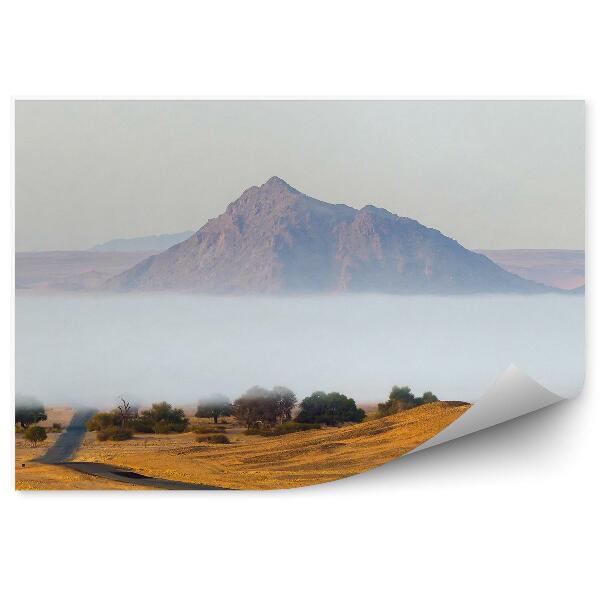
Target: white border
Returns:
[[506, 513]]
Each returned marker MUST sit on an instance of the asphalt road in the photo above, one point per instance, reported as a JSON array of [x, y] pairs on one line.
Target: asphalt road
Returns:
[[69, 441], [127, 476]]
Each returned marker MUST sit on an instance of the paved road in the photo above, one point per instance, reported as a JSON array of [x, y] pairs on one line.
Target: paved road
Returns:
[[127, 476], [68, 443]]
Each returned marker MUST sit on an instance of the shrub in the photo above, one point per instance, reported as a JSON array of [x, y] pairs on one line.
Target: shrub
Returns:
[[167, 427], [214, 438], [253, 431], [143, 425], [331, 409], [208, 429], [102, 420], [114, 433], [165, 418], [56, 428], [35, 434]]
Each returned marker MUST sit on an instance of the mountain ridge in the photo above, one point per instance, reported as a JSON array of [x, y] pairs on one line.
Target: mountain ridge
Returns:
[[275, 239], [146, 243]]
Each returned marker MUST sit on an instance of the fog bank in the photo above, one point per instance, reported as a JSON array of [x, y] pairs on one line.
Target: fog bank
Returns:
[[90, 349]]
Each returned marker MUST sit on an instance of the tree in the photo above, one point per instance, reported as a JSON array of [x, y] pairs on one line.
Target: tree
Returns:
[[35, 434], [265, 407], [125, 413], [28, 411], [165, 418], [286, 400], [331, 409], [214, 407], [428, 397], [401, 398]]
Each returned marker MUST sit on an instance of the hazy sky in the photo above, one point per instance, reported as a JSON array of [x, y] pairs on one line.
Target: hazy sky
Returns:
[[489, 174]]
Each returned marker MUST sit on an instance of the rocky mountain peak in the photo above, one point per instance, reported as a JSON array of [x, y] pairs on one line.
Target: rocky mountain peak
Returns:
[[275, 239]]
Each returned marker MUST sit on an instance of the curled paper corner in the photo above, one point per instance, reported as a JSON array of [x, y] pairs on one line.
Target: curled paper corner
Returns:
[[513, 394]]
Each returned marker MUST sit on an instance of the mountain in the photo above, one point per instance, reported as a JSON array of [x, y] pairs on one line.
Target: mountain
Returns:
[[275, 239], [150, 243]]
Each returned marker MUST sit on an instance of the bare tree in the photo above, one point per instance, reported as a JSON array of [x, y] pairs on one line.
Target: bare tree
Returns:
[[125, 412]]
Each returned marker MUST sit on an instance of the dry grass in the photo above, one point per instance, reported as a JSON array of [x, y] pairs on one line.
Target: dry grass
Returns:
[[36, 476], [298, 459], [58, 414]]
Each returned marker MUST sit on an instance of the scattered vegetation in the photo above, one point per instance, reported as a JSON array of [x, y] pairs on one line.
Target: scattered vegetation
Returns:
[[104, 420], [35, 434], [56, 428], [263, 412], [214, 438], [214, 407], [28, 411], [161, 418], [401, 398], [208, 428], [114, 433], [329, 409], [165, 419], [260, 408]]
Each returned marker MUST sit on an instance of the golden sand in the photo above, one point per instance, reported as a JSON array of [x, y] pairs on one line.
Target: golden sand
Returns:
[[293, 460]]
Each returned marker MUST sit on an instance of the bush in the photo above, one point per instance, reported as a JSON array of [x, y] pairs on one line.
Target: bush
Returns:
[[208, 429], [167, 427], [165, 418], [289, 427], [143, 425], [253, 431], [35, 434], [215, 438], [56, 428], [102, 420], [114, 433]]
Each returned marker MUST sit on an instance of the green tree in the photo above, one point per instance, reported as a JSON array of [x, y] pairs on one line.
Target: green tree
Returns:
[[35, 434], [401, 398], [331, 409], [214, 407], [427, 398], [28, 411], [165, 418]]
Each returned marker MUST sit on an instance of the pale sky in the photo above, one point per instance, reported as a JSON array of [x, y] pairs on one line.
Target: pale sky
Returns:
[[489, 174]]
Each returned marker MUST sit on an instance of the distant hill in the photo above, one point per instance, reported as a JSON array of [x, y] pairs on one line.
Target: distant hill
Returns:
[[70, 270], [563, 269], [275, 239], [150, 243]]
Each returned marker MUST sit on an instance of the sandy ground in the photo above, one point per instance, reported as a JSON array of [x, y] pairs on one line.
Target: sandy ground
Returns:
[[293, 460]]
